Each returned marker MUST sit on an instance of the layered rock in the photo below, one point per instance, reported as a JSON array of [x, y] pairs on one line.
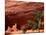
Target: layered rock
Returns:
[[20, 12]]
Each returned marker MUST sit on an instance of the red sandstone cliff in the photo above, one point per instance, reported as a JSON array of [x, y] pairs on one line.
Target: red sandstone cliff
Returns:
[[20, 12]]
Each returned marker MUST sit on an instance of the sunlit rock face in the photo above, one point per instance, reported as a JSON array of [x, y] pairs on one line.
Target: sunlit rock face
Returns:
[[19, 12]]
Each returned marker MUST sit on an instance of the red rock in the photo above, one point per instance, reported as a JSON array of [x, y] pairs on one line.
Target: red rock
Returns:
[[20, 12]]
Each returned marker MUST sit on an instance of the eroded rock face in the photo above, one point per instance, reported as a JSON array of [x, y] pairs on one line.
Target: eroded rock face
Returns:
[[20, 12]]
